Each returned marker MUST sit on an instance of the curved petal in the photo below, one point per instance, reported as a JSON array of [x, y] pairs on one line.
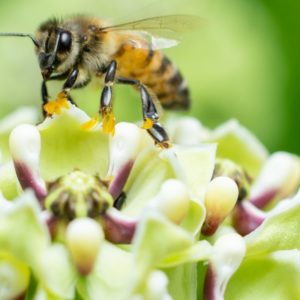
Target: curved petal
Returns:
[[66, 145], [256, 277], [27, 115], [279, 231], [235, 142]]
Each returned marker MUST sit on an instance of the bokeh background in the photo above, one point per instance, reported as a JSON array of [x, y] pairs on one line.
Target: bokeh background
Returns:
[[244, 63]]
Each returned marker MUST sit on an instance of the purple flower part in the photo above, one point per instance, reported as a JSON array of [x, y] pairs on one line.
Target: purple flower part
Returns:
[[119, 181], [30, 180], [210, 284], [246, 218], [118, 229], [263, 199], [210, 226]]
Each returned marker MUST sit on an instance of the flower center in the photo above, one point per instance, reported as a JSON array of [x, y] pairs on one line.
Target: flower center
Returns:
[[78, 194]]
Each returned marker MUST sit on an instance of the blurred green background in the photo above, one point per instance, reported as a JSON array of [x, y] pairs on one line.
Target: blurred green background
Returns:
[[244, 62]]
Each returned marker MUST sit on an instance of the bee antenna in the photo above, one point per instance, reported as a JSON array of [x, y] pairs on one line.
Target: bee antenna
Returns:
[[21, 35]]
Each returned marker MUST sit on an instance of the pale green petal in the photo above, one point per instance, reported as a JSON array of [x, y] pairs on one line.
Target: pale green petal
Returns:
[[56, 273], [273, 277], [194, 165], [110, 277], [22, 233], [66, 146], [9, 184], [156, 239], [195, 217], [14, 277], [200, 251], [183, 282], [280, 230], [149, 172], [156, 287], [235, 142], [22, 115]]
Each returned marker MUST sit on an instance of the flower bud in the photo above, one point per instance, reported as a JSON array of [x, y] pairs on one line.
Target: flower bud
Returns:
[[173, 200], [226, 167], [83, 238], [25, 147], [220, 198], [280, 177]]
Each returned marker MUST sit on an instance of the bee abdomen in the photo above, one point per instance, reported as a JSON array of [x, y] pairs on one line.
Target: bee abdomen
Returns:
[[157, 72], [170, 87]]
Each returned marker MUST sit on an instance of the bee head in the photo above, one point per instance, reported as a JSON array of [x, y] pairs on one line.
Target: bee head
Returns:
[[55, 44]]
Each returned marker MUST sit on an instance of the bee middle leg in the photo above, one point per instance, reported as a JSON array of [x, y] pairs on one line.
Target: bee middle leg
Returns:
[[150, 115]]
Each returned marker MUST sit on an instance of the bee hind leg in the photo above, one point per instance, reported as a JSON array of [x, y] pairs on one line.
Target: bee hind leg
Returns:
[[150, 115]]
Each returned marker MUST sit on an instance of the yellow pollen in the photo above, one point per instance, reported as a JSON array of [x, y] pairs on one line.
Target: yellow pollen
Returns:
[[108, 122], [90, 124], [56, 106], [148, 124]]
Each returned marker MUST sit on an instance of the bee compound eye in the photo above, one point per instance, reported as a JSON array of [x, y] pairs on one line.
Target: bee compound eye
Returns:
[[65, 41]]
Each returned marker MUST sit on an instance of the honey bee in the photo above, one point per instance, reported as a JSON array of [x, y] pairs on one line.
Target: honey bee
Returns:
[[77, 48]]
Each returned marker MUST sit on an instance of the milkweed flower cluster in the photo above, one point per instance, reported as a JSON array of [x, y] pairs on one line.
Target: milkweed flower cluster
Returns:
[[84, 215]]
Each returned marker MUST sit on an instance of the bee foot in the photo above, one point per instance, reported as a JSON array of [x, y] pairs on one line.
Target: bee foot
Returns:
[[56, 106], [148, 123], [108, 122], [93, 122]]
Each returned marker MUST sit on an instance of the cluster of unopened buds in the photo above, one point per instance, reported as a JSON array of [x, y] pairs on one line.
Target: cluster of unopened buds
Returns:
[[115, 217]]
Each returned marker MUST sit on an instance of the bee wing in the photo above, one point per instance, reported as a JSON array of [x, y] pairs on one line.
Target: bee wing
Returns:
[[159, 32]]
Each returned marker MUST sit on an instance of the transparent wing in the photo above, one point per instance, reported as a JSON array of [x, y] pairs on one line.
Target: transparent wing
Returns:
[[159, 32]]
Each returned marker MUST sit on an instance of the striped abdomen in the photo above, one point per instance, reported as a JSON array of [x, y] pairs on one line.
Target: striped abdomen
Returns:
[[157, 72]]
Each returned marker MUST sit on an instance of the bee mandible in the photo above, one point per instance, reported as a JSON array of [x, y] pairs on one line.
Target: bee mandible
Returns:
[[77, 48]]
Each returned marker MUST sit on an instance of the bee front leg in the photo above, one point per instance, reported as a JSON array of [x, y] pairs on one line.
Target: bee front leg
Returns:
[[45, 97], [49, 108], [150, 115], [69, 83]]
